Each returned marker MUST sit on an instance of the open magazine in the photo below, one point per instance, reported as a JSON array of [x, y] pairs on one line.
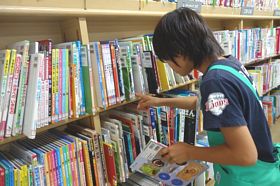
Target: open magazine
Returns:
[[150, 163]]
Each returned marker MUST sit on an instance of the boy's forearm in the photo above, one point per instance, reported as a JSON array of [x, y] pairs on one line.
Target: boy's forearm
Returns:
[[221, 154], [180, 102]]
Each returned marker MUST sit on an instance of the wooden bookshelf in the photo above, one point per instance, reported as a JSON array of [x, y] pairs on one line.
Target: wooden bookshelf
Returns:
[[148, 10], [50, 126], [137, 99], [261, 60]]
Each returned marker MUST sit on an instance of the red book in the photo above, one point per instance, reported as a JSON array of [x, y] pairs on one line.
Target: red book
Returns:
[[171, 126], [130, 124], [2, 176], [110, 163], [115, 72]]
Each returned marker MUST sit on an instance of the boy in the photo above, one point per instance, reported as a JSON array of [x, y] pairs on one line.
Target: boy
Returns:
[[240, 142]]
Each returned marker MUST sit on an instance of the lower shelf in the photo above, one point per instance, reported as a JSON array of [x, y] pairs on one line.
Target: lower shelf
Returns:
[[50, 126]]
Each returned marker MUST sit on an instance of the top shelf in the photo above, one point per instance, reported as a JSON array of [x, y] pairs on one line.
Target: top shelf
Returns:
[[125, 8]]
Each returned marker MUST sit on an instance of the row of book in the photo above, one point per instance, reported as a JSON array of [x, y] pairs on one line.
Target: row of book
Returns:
[[265, 76], [271, 106], [257, 4], [249, 44], [67, 80], [56, 158], [78, 155], [41, 84], [127, 127]]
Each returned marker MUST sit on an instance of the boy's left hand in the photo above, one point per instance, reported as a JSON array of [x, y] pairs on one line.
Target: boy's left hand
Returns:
[[178, 153]]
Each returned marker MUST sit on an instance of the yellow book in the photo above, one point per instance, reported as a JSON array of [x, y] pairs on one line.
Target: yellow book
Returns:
[[5, 56], [163, 78], [87, 163], [47, 171]]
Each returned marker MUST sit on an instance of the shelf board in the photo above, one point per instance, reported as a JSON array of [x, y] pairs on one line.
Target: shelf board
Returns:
[[50, 126], [256, 61], [58, 13], [137, 99]]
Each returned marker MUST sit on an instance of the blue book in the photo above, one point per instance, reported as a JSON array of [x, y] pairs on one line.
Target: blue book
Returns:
[[96, 49], [128, 147], [83, 103], [153, 123], [10, 167]]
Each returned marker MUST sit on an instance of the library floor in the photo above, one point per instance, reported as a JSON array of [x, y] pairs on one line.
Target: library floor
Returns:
[[275, 131]]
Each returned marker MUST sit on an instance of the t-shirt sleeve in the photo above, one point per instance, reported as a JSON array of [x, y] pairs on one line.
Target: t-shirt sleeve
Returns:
[[220, 103]]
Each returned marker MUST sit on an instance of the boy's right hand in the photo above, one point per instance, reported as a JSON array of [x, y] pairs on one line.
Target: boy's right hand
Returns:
[[147, 101]]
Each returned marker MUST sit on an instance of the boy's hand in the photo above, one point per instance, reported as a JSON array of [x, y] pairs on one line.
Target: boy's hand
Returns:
[[178, 153], [147, 101]]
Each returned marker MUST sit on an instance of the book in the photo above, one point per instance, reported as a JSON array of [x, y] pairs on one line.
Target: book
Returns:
[[30, 119], [150, 163]]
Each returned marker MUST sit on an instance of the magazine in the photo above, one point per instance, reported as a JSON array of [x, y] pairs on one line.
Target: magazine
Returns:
[[148, 162]]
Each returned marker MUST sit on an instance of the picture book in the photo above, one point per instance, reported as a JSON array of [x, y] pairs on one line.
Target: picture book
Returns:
[[150, 163]]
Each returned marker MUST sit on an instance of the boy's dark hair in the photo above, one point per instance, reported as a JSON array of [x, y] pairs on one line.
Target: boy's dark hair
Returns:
[[184, 32]]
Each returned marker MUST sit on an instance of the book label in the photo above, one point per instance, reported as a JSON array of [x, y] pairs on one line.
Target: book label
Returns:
[[247, 10], [194, 5], [276, 13]]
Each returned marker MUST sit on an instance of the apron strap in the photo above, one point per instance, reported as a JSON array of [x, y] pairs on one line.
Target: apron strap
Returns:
[[234, 72]]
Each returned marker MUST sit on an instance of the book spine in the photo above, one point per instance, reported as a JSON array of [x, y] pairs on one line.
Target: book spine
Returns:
[[92, 88], [57, 82], [98, 159], [25, 84], [14, 95], [63, 83], [40, 88], [82, 88], [49, 78], [67, 85], [60, 83], [108, 72], [76, 82], [100, 62], [86, 78], [13, 79], [53, 84], [6, 58], [8, 91], [115, 73]]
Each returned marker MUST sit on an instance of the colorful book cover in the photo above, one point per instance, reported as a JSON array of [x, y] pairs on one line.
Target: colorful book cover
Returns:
[[30, 118], [13, 77], [110, 163], [87, 81], [5, 56], [151, 164], [108, 72], [22, 48]]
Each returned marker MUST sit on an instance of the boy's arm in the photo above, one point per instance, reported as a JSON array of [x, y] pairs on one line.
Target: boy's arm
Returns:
[[239, 149], [147, 101]]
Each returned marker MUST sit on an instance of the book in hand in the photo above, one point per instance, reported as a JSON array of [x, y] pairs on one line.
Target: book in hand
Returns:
[[150, 163]]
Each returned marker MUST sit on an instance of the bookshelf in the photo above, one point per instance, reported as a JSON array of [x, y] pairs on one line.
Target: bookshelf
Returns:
[[51, 126], [94, 20]]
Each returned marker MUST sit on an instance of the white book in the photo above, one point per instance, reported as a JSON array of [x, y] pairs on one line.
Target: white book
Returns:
[[11, 127], [137, 74], [97, 75], [92, 90], [170, 75], [32, 101], [108, 72], [115, 136], [178, 78]]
